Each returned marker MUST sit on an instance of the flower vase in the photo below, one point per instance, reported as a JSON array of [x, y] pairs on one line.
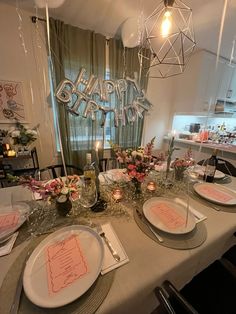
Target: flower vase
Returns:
[[63, 205], [179, 174], [137, 188]]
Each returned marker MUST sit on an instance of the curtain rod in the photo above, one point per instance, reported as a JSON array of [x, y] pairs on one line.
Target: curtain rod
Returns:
[[34, 19]]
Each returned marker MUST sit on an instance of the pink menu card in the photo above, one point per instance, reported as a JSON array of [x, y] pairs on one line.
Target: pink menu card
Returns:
[[168, 216], [9, 220], [214, 193], [65, 263]]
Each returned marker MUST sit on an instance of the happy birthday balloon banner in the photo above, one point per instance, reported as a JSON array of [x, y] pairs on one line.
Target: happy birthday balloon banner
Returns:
[[85, 91]]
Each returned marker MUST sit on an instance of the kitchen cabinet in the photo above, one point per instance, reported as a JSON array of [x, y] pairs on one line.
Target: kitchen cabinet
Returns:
[[226, 89], [202, 83]]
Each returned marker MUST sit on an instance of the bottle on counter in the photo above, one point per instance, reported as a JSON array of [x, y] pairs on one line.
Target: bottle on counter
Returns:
[[89, 169], [211, 165]]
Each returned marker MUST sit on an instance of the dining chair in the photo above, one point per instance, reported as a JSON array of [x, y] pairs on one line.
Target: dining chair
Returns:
[[107, 164], [213, 290], [171, 301], [223, 166], [55, 171]]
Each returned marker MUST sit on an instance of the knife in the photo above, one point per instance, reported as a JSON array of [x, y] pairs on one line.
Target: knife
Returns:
[[16, 301], [108, 243], [143, 219]]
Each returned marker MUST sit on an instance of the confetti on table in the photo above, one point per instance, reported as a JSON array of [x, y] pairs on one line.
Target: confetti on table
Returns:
[[9, 221], [217, 195], [168, 216], [65, 264]]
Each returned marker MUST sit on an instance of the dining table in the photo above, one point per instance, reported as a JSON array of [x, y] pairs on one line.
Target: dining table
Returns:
[[150, 263]]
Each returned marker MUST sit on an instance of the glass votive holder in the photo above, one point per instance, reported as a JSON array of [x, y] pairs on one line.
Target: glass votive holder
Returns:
[[117, 194], [151, 186]]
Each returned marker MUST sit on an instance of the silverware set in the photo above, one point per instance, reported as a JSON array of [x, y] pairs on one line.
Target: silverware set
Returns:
[[144, 220]]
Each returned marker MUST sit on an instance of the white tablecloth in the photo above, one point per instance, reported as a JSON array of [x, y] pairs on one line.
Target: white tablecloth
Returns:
[[150, 263]]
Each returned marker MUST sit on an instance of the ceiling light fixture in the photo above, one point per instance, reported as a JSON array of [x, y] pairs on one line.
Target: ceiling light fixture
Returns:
[[169, 37]]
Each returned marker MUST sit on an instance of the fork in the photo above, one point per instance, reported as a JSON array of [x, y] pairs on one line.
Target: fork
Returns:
[[143, 219], [108, 243]]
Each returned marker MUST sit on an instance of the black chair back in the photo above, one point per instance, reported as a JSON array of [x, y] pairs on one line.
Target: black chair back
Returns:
[[55, 171], [223, 166]]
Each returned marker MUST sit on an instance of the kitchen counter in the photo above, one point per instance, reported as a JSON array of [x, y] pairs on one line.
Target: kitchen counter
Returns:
[[203, 150]]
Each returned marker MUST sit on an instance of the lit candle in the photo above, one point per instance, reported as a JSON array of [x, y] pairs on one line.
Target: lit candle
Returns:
[[151, 186], [96, 150], [117, 194], [11, 153]]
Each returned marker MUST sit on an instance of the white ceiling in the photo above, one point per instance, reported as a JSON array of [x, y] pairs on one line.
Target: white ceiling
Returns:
[[106, 17]]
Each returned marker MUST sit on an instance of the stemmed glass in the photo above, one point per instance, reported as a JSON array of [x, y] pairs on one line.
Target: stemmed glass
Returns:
[[88, 195]]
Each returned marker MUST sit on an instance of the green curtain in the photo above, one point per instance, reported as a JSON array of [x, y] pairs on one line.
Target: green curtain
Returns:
[[73, 48], [124, 62]]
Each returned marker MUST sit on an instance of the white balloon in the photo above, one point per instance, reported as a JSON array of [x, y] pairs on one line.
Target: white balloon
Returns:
[[131, 32], [51, 3]]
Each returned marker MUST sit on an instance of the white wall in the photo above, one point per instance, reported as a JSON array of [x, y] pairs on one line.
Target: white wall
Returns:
[[158, 122], [31, 69]]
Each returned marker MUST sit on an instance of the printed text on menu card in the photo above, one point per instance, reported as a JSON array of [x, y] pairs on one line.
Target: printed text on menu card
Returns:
[[168, 216], [220, 196], [65, 264], [8, 221]]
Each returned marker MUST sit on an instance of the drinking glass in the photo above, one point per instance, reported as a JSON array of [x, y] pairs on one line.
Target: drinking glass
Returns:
[[88, 194]]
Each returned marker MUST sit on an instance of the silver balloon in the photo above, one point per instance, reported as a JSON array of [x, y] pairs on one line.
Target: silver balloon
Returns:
[[90, 109], [122, 116], [135, 83], [131, 113], [100, 90], [109, 87], [138, 109], [90, 85], [74, 109], [105, 111], [121, 87], [80, 80], [62, 94]]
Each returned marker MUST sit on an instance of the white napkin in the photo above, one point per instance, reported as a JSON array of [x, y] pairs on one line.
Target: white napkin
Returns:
[[7, 248], [109, 263], [198, 216]]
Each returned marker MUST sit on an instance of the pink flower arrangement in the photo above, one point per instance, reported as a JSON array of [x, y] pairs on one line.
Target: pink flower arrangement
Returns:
[[137, 162], [54, 188], [185, 162]]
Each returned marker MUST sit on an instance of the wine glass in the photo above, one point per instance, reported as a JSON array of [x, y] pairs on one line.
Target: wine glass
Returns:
[[88, 194]]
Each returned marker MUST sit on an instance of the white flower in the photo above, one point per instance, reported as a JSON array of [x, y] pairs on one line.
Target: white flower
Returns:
[[15, 133], [64, 190], [11, 129], [134, 153], [31, 132]]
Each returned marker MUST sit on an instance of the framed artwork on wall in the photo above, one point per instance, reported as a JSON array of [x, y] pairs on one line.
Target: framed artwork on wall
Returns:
[[12, 105]]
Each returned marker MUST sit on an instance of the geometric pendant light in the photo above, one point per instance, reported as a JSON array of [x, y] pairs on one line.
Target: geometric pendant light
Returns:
[[169, 39]]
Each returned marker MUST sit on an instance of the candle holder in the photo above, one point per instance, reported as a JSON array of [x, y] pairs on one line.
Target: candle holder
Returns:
[[151, 186], [117, 194]]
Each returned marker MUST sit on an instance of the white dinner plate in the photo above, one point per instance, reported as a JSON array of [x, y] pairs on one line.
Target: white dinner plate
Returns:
[[36, 278], [201, 170], [215, 193], [168, 216], [20, 210]]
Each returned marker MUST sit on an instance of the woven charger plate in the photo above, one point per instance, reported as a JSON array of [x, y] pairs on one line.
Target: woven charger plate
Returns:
[[181, 242], [86, 304]]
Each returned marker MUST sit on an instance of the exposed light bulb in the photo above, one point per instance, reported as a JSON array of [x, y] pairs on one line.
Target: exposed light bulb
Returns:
[[166, 24]]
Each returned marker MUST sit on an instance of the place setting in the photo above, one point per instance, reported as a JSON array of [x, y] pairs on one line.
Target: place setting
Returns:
[[171, 222], [216, 196], [68, 271]]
